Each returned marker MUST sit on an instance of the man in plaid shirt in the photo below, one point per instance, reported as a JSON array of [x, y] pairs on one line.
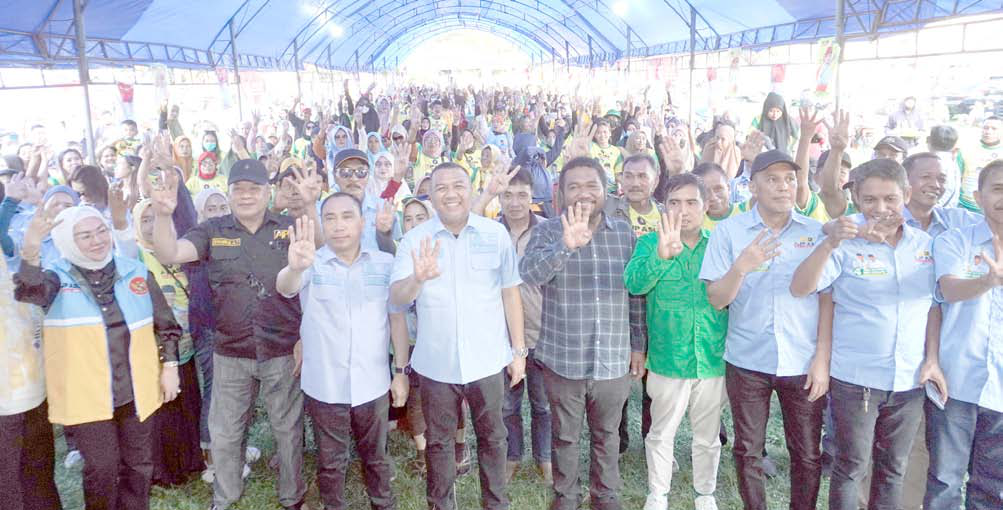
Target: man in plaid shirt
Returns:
[[593, 332]]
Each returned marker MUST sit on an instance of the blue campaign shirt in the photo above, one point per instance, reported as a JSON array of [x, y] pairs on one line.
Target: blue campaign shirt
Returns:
[[462, 333], [346, 327], [944, 219], [971, 352], [882, 296], [769, 330], [739, 187]]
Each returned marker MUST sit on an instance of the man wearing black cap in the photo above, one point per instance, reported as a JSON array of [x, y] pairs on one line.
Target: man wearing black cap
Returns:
[[352, 174], [257, 329], [891, 147], [772, 343]]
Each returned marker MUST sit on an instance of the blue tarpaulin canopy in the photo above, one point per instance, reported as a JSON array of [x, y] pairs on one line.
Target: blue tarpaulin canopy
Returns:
[[373, 34]]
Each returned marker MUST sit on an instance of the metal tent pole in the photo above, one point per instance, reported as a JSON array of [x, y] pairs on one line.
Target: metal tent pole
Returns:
[[236, 69], [840, 41], [296, 62], [693, 43], [78, 23]]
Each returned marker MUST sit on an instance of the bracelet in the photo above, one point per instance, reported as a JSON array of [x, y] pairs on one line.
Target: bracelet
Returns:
[[170, 364]]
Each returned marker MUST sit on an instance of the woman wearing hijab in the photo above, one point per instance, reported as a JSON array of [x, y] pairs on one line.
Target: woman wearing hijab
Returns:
[[383, 172], [211, 203], [429, 154], [208, 175], [723, 150], [338, 138], [176, 453], [110, 351], [774, 122], [374, 145], [182, 149]]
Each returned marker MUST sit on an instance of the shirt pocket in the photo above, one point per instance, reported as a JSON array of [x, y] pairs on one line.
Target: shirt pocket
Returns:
[[224, 264], [672, 290], [328, 288], [376, 282]]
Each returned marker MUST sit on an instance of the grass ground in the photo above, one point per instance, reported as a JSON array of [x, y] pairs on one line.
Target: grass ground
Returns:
[[526, 491]]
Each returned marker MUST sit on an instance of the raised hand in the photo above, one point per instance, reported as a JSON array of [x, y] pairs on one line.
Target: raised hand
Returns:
[[164, 192], [426, 261], [402, 159], [765, 247], [499, 181], [810, 120], [119, 204], [386, 216], [839, 230], [581, 140], [308, 188], [25, 189], [995, 275], [39, 227], [669, 151], [839, 130], [577, 232], [302, 247], [752, 145], [670, 243]]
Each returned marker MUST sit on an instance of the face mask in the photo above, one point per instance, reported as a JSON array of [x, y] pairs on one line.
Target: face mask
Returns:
[[209, 146], [364, 109]]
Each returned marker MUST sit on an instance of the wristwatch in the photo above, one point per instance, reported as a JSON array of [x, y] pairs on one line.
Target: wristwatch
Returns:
[[171, 364], [522, 352], [406, 370]]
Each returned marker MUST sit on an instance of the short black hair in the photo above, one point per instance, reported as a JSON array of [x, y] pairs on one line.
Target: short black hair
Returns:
[[581, 161], [708, 167], [522, 177], [910, 162], [993, 166], [447, 165], [129, 122], [641, 157], [882, 168], [942, 138], [682, 180], [341, 194]]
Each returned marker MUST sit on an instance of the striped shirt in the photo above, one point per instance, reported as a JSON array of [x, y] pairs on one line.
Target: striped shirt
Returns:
[[590, 323]]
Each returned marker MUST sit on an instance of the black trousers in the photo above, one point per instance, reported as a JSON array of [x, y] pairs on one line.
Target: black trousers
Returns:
[[749, 393], [334, 426], [118, 462], [440, 403], [26, 461], [645, 416]]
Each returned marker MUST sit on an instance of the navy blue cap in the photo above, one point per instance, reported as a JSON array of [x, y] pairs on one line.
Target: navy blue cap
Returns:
[[766, 159], [250, 170], [347, 154]]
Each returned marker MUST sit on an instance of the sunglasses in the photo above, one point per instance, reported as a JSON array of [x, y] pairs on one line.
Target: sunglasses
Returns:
[[359, 173], [398, 138]]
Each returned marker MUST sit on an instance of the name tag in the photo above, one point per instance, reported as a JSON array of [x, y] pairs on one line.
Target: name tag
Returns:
[[224, 242]]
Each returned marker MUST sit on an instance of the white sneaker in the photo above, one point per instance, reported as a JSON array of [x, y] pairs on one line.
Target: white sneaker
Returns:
[[656, 502], [252, 454], [72, 459], [247, 472], [706, 503]]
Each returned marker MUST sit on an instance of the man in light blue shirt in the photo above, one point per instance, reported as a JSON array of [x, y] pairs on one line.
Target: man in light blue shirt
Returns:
[[771, 342], [966, 436], [928, 182], [349, 323], [351, 174], [463, 271], [882, 289]]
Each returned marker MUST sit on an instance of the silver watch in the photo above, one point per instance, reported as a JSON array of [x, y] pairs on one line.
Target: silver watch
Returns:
[[522, 352], [170, 364]]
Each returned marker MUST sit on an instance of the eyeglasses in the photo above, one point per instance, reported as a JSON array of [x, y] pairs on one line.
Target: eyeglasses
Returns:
[[398, 138], [359, 172]]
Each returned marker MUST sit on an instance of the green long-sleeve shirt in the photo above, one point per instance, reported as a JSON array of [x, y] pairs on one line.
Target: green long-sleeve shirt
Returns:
[[685, 333]]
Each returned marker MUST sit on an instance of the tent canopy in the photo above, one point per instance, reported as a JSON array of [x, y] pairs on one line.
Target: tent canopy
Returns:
[[371, 34]]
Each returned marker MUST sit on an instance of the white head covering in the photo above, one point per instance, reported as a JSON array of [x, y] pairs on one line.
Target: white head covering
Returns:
[[202, 198], [62, 236]]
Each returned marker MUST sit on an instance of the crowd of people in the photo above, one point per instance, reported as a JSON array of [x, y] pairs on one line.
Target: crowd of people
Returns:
[[428, 258]]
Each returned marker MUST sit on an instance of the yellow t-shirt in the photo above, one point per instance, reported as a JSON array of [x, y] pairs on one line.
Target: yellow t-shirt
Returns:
[[709, 222], [424, 165], [644, 223], [196, 184], [611, 158], [173, 283], [472, 164], [973, 160]]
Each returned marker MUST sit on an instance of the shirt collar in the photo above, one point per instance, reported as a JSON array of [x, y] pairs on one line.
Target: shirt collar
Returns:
[[982, 234], [325, 255], [755, 220], [936, 216]]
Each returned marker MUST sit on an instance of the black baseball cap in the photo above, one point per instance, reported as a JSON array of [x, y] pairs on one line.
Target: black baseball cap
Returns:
[[766, 159], [250, 170], [822, 158], [347, 154], [896, 143]]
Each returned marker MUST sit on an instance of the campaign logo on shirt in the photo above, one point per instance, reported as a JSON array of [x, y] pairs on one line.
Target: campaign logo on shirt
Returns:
[[976, 268], [138, 286], [280, 234], [805, 242], [924, 257], [69, 287], [868, 265]]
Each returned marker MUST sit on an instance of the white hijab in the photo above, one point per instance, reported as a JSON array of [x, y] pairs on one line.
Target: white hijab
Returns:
[[62, 236]]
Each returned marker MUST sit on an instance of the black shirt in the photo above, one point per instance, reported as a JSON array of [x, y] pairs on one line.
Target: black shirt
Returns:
[[252, 319], [41, 287]]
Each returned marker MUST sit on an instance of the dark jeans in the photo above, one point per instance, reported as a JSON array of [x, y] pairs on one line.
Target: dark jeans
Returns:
[[964, 437], [203, 357], [749, 393], [117, 461], [26, 461], [881, 430], [600, 402], [335, 425], [645, 415], [539, 411], [440, 403]]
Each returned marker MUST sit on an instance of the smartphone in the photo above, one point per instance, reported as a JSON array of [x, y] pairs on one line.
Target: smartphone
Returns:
[[934, 395]]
